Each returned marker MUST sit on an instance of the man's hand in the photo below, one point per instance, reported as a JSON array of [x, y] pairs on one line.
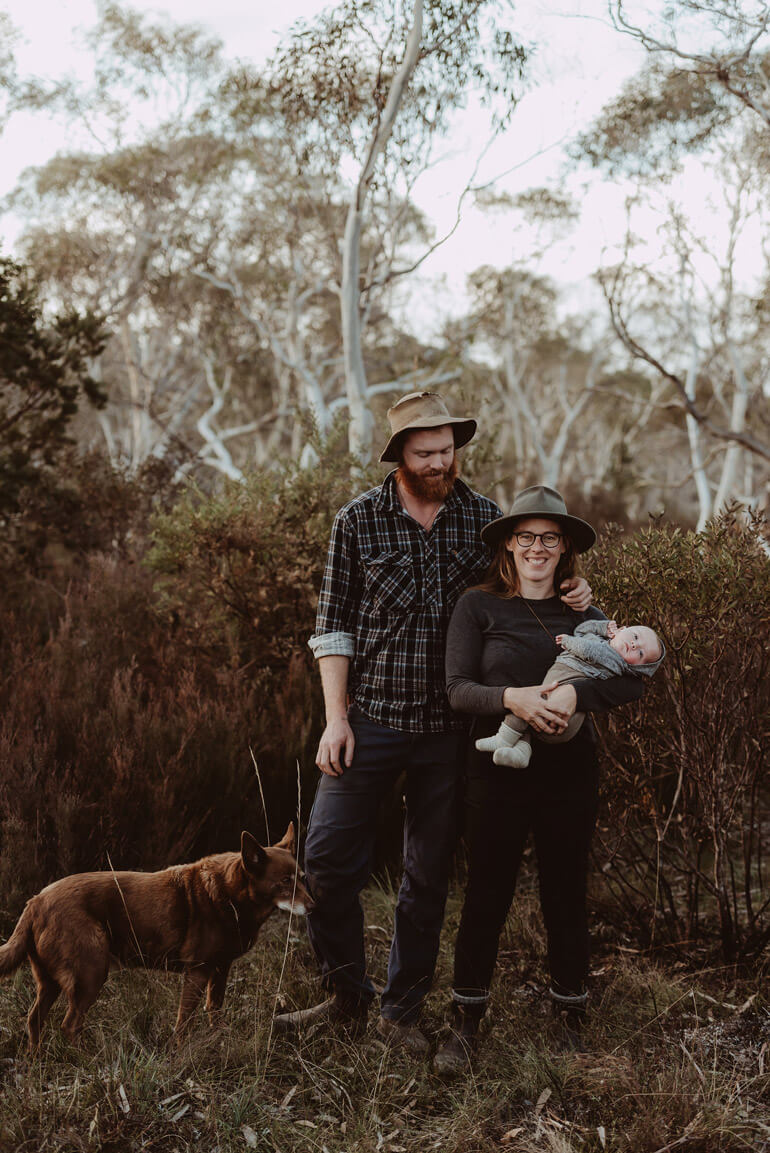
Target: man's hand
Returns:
[[577, 593], [533, 706], [335, 750]]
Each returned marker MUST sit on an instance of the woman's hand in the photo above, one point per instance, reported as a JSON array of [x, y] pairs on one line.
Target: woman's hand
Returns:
[[576, 593], [534, 706]]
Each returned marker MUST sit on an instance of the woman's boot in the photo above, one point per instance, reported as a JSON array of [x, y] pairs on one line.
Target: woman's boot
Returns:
[[455, 1055], [570, 1011]]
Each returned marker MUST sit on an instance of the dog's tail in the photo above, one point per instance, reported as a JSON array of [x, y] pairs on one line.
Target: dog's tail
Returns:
[[14, 952]]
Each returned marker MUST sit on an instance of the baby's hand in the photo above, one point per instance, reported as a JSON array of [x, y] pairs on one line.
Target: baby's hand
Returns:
[[612, 628], [560, 639]]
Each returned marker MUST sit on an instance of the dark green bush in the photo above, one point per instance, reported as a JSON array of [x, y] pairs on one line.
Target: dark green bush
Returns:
[[686, 805], [246, 564], [43, 380]]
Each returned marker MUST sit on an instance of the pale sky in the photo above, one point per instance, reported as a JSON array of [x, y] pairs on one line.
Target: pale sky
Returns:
[[580, 63]]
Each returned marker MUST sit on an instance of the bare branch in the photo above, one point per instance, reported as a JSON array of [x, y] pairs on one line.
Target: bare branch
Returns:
[[686, 402]]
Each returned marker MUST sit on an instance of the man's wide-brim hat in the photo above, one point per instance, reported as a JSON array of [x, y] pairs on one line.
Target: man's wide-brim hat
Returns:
[[421, 410], [542, 502]]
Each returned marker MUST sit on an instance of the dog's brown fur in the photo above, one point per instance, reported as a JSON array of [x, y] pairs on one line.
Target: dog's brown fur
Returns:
[[197, 918]]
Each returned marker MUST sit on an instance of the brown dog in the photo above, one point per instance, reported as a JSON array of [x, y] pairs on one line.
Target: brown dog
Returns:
[[197, 918]]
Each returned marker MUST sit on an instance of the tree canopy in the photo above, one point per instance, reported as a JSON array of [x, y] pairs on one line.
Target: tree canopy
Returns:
[[44, 377]]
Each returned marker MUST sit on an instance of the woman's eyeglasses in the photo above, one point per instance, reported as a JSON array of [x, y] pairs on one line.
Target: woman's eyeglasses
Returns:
[[549, 539]]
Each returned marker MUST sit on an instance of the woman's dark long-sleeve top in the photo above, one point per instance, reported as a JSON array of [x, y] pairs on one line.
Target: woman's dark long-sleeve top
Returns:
[[494, 644]]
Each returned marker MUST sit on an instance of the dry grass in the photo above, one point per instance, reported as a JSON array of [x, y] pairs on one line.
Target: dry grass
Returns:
[[679, 1060]]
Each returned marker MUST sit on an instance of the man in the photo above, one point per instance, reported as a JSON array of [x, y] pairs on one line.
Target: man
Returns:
[[400, 556]]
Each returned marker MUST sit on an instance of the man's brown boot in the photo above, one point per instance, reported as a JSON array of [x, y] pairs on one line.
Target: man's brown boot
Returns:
[[402, 1035], [335, 1013]]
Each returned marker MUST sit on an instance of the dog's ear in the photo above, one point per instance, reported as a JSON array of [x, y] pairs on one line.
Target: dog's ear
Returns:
[[252, 853], [289, 840]]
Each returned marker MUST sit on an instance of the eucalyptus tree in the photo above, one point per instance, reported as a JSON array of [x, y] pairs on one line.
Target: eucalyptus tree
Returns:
[[357, 101], [710, 59], [544, 367], [207, 208], [691, 132], [163, 188], [114, 223], [8, 37], [553, 383], [677, 307]]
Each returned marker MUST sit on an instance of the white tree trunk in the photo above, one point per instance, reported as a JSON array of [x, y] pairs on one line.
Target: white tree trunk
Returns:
[[355, 372], [555, 458], [702, 486], [360, 428], [728, 483], [217, 454]]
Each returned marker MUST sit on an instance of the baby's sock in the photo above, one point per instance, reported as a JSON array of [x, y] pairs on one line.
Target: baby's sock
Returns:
[[517, 757], [504, 738]]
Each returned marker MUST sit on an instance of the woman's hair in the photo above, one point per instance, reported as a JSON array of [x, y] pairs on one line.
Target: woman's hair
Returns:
[[502, 579]]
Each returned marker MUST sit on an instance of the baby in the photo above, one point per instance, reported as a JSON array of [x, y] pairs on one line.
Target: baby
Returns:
[[598, 649]]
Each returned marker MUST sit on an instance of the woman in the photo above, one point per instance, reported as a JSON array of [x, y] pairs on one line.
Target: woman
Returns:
[[499, 647]]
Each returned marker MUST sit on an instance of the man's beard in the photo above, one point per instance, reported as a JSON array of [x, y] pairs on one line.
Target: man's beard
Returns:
[[427, 486]]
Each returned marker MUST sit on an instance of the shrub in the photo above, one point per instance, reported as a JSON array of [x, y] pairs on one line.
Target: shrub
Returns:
[[246, 563], [116, 746], [684, 830], [132, 702], [239, 572]]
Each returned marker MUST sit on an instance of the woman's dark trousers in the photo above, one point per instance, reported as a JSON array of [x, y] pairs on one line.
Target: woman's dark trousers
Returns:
[[555, 800]]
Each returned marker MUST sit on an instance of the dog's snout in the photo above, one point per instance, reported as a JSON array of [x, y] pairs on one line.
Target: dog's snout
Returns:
[[297, 905]]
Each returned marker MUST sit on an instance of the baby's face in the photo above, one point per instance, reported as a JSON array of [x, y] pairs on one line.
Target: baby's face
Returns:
[[636, 644]]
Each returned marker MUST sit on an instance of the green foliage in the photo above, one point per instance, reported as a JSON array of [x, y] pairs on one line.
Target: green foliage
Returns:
[[333, 75], [44, 376], [247, 562], [686, 797], [662, 115]]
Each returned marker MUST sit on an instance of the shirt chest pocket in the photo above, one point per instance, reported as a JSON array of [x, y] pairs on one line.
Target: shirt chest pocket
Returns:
[[390, 582], [465, 566]]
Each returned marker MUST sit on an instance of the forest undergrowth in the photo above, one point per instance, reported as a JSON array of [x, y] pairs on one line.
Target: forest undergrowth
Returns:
[[678, 1058], [158, 693]]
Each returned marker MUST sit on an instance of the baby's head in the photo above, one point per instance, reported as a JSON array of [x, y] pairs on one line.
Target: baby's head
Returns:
[[637, 645]]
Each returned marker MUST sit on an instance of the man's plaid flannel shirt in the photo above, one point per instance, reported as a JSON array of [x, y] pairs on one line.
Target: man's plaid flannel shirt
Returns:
[[386, 598]]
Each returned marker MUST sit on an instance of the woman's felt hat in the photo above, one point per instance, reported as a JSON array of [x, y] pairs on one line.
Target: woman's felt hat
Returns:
[[548, 504], [421, 410]]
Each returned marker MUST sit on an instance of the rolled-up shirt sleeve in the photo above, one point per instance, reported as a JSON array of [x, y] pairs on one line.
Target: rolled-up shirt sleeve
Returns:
[[338, 601], [333, 645]]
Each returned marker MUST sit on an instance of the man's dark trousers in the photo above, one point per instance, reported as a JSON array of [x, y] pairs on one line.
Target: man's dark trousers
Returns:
[[339, 856]]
